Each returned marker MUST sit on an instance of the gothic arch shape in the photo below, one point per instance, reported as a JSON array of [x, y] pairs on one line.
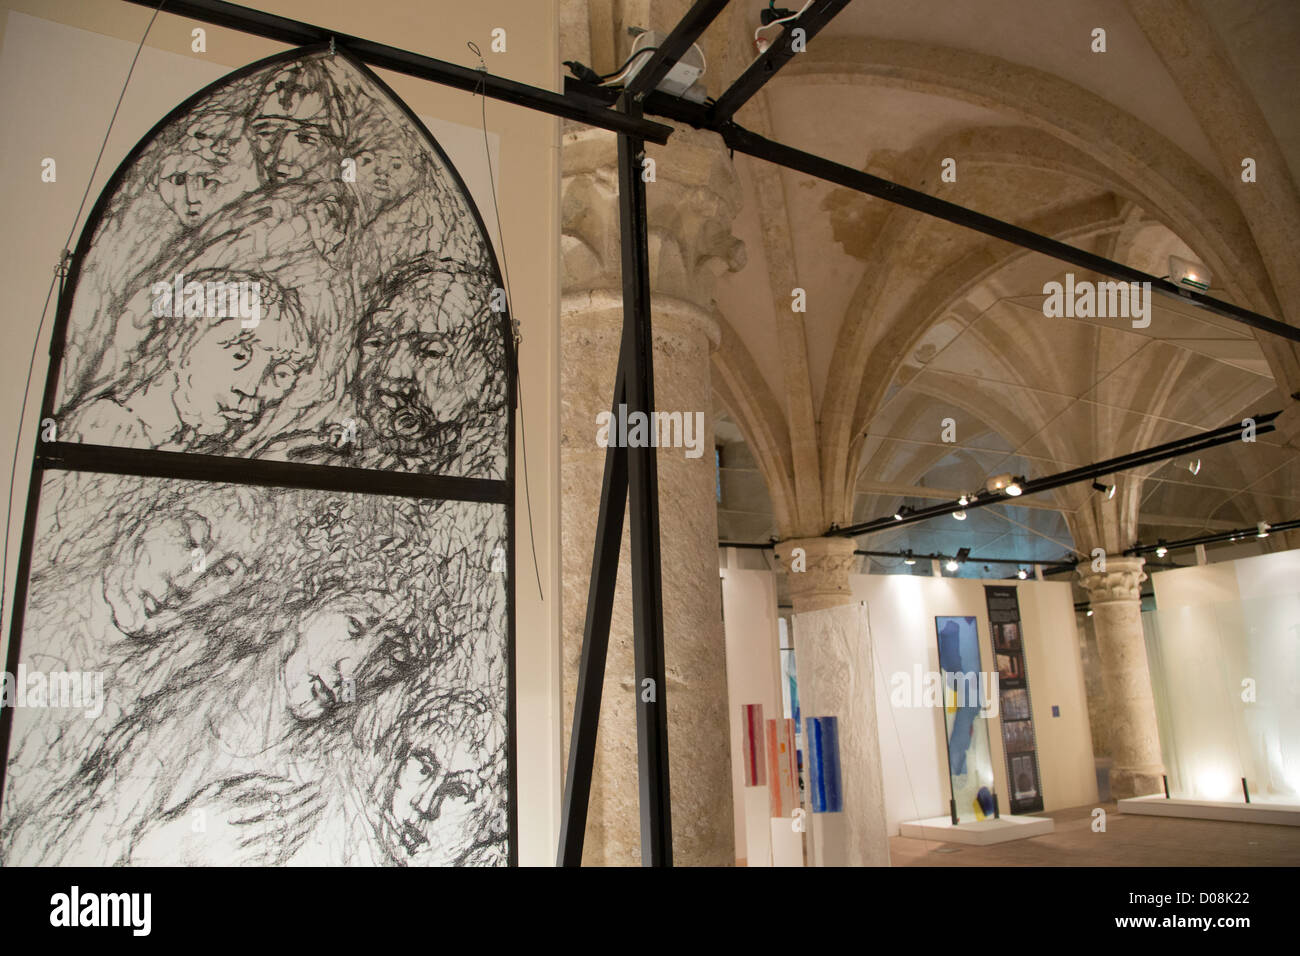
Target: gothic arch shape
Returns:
[[276, 503]]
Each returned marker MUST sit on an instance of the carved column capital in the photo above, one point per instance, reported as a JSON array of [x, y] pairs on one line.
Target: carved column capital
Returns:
[[1121, 581], [826, 564]]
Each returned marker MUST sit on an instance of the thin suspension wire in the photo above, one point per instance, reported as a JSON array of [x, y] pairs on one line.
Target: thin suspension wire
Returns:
[[40, 328], [510, 310]]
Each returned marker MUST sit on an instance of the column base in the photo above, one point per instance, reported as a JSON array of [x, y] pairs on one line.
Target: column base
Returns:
[[1126, 783]]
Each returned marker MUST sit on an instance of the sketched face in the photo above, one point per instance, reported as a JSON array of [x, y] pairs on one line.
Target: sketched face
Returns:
[[191, 188], [407, 378], [387, 175], [156, 576], [333, 643], [291, 130], [231, 375], [433, 815]]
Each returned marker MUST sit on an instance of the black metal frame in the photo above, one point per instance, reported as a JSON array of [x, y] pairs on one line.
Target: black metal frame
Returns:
[[633, 476], [84, 457], [1145, 456]]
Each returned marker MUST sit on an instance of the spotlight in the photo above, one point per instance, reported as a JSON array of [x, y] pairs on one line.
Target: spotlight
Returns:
[[1186, 272], [902, 512], [959, 515], [1089, 612], [963, 501], [998, 482], [909, 560], [1014, 489], [1109, 490], [1262, 528], [952, 564], [1022, 574], [1161, 550]]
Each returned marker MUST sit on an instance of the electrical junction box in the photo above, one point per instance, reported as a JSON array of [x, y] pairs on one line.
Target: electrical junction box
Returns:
[[683, 79]]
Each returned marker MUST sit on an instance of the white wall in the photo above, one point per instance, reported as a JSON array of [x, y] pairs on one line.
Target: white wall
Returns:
[[902, 610], [1218, 626], [753, 668]]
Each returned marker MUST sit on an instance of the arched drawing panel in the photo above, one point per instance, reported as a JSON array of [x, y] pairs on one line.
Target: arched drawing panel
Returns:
[[295, 666]]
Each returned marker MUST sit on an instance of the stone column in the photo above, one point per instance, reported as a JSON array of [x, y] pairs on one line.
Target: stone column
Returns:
[[1117, 622], [691, 201], [836, 676]]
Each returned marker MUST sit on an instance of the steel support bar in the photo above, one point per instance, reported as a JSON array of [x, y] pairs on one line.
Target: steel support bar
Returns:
[[1216, 538], [781, 52], [643, 507], [595, 645], [743, 141], [297, 33], [148, 463], [1146, 456], [695, 21]]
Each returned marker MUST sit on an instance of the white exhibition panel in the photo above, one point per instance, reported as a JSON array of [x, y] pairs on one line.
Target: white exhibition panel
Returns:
[[753, 677], [902, 610], [1225, 668]]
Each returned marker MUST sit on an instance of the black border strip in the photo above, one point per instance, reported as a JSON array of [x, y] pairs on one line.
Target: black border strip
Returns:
[[149, 463]]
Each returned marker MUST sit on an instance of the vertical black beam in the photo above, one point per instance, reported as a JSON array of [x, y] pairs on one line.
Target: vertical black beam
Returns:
[[595, 645], [643, 506]]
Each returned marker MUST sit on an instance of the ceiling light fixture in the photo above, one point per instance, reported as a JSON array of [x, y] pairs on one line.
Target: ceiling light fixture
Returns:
[[909, 560], [1013, 488], [952, 564], [1161, 550], [1262, 529], [1022, 574], [963, 501], [1188, 273], [960, 515], [1089, 612], [998, 482]]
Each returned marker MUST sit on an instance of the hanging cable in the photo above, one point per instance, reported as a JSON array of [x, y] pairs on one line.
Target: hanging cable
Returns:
[[40, 328], [510, 310]]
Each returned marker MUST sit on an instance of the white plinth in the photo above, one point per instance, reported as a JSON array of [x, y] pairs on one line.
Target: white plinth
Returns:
[[787, 842], [980, 833], [1239, 812]]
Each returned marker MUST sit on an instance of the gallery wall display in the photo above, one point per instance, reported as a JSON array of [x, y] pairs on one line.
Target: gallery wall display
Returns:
[[272, 510], [970, 764], [1018, 740]]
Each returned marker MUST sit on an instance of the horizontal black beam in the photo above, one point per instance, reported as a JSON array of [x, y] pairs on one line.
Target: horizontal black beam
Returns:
[[773, 58], [184, 466], [1216, 537], [743, 141], [759, 546], [1146, 456], [297, 33], [688, 30]]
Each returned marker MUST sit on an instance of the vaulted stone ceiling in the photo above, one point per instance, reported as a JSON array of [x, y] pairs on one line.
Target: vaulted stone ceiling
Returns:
[[1133, 154]]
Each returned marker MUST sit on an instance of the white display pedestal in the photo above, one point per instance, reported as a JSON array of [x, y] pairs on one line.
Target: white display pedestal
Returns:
[[1157, 806], [980, 833], [787, 842], [829, 845], [758, 832]]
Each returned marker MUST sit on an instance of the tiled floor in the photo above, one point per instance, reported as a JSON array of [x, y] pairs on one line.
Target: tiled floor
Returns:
[[1129, 840]]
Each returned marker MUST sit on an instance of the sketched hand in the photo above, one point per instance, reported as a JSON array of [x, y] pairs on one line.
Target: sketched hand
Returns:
[[250, 820]]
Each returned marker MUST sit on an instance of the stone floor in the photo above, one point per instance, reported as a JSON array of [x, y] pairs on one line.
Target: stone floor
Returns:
[[1129, 840]]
